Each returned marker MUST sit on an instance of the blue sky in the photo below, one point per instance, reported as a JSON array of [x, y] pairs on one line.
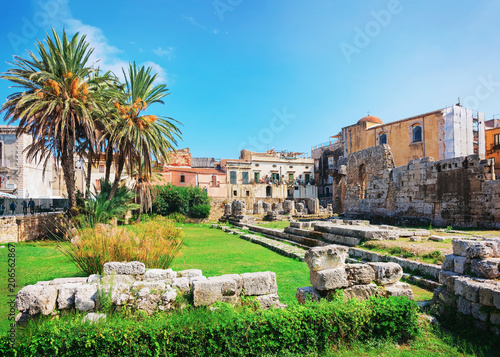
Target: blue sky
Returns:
[[285, 73]]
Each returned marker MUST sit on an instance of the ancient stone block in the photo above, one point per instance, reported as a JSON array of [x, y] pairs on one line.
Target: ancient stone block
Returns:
[[494, 244], [94, 279], [495, 318], [313, 205], [360, 292], [359, 274], [478, 313], [268, 301], [227, 209], [27, 296], [117, 279], [124, 268], [386, 273], [160, 274], [226, 288], [399, 289], [479, 250], [326, 257], [182, 284], [329, 279], [307, 293], [85, 297], [45, 302], [189, 273], [448, 263], [277, 206], [261, 283], [300, 207], [464, 306], [266, 207], [437, 238], [157, 285], [94, 317], [487, 268], [460, 246], [238, 208], [496, 299], [59, 281], [66, 296], [258, 208], [460, 264], [486, 295], [289, 207], [147, 301]]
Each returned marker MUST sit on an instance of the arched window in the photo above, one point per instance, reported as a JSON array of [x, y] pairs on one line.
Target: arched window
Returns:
[[417, 133], [383, 138], [327, 191]]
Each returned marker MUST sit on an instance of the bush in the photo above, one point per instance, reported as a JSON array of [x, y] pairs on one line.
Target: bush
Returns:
[[177, 217], [172, 199], [155, 244], [200, 211], [299, 329]]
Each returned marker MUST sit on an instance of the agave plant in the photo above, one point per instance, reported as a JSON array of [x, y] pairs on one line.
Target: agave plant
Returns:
[[141, 139], [60, 93]]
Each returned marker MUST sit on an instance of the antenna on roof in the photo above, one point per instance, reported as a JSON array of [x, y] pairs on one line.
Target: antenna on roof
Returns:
[[458, 102], [368, 112]]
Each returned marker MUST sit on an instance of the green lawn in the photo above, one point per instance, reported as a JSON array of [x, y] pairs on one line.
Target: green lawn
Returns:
[[275, 225]]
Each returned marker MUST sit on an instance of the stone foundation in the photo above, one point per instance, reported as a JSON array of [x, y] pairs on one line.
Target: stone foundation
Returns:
[[26, 228]]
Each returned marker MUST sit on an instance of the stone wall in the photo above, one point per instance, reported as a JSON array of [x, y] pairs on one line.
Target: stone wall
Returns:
[[457, 192], [25, 228], [478, 296], [129, 284], [217, 204]]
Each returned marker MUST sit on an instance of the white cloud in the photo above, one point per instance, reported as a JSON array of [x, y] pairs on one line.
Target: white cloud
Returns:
[[193, 22], [162, 74], [169, 52]]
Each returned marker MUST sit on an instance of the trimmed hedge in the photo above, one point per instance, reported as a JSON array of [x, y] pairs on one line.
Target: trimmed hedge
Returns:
[[189, 201], [226, 331]]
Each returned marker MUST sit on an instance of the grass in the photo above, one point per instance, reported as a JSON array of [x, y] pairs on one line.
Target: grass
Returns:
[[274, 225], [35, 261], [217, 253], [434, 257]]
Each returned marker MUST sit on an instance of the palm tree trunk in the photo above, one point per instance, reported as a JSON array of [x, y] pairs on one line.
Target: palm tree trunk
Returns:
[[118, 174], [89, 174], [109, 161], [68, 166]]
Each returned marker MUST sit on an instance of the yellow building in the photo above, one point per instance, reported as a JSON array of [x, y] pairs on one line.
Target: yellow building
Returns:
[[442, 134], [492, 138]]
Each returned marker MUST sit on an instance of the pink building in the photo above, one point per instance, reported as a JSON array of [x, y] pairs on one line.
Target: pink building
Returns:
[[212, 180]]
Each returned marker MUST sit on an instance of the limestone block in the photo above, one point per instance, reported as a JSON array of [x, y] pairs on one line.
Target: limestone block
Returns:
[[159, 285], [117, 280], [486, 295], [85, 297], [261, 283], [487, 268], [267, 207], [227, 209], [478, 313], [326, 257], [93, 317], [238, 208], [307, 293], [448, 263], [460, 246], [59, 281], [399, 289], [147, 301], [437, 238], [300, 207], [27, 296], [360, 292], [66, 296], [258, 208], [189, 273], [496, 299], [94, 279], [45, 302], [125, 268], [494, 244], [169, 295], [160, 274], [268, 301], [468, 289], [386, 273], [289, 207], [479, 250], [495, 318], [226, 288], [464, 306], [182, 284], [329, 279], [359, 274], [460, 264], [277, 206]]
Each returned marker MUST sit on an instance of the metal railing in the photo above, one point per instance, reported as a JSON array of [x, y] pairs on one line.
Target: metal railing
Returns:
[[41, 205]]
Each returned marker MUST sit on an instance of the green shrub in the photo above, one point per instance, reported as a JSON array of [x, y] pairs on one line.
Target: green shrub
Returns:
[[200, 211], [172, 199], [177, 217], [299, 329], [155, 243], [437, 256]]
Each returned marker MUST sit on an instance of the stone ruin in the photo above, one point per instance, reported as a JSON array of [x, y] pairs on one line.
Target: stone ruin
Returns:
[[129, 284], [329, 273], [237, 210], [289, 207], [469, 285]]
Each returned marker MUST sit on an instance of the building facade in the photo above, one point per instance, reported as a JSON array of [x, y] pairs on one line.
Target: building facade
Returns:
[[492, 139]]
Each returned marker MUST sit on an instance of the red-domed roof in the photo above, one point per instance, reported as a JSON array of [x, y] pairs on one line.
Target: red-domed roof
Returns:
[[370, 119]]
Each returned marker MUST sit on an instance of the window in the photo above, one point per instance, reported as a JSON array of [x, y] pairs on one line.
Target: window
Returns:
[[98, 185], [214, 180], [268, 191], [307, 177], [497, 140], [248, 193], [256, 176], [362, 181], [101, 168], [183, 178], [276, 176], [327, 191], [244, 175], [290, 177], [330, 162], [232, 177], [417, 133], [235, 193], [383, 138]]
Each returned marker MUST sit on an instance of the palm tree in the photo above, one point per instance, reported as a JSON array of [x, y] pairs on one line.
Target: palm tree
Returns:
[[141, 139], [145, 187], [59, 94]]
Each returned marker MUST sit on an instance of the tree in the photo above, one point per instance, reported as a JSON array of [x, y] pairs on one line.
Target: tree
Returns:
[[60, 95], [141, 139]]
